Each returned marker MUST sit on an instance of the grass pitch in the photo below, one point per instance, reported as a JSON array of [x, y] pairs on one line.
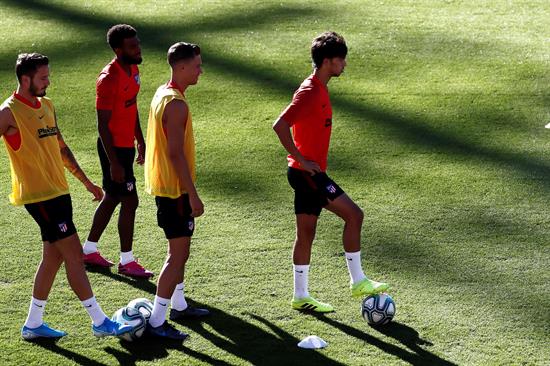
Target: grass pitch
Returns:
[[438, 135]]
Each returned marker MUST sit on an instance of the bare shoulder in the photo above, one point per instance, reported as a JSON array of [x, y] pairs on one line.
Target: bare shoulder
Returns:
[[176, 105], [6, 117], [175, 109]]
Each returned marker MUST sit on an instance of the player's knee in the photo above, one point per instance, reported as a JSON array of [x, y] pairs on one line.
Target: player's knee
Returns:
[[130, 204], [74, 261], [177, 260], [52, 257], [355, 217], [51, 263]]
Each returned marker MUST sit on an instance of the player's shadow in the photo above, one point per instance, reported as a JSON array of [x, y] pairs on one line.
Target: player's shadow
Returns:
[[142, 284], [144, 349], [232, 334], [400, 332], [250, 342], [52, 346]]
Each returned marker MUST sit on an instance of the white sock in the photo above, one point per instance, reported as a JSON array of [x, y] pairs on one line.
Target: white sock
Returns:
[[178, 298], [353, 260], [89, 247], [158, 316], [301, 281], [36, 312], [94, 310], [126, 257]]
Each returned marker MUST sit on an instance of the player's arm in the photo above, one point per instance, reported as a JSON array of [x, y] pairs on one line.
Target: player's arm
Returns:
[[103, 118], [140, 142], [282, 129], [175, 112], [106, 86], [7, 122], [70, 163]]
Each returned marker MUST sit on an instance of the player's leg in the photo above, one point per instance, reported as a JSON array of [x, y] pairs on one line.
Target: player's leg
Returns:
[[126, 218], [347, 210], [47, 271], [129, 265], [102, 216], [34, 326], [170, 275], [101, 219], [71, 252], [307, 207], [306, 225], [352, 215], [129, 203], [173, 216], [42, 213], [103, 213]]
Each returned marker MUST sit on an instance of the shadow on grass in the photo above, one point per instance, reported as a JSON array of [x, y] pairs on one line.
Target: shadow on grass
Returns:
[[406, 130], [51, 345], [231, 334], [251, 343], [400, 332], [142, 284], [145, 349]]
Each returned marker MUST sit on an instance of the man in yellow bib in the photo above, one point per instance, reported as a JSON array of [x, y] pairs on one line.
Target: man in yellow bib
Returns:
[[170, 177], [37, 155]]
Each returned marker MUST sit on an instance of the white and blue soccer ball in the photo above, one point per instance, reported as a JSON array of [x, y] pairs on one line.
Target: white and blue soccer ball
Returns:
[[143, 305], [378, 309], [130, 316]]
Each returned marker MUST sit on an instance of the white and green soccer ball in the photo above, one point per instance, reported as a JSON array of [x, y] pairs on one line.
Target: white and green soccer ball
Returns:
[[378, 309], [143, 305], [130, 316]]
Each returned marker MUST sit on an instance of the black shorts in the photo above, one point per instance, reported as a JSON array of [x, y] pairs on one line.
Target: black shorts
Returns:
[[125, 156], [312, 192], [54, 217], [174, 216]]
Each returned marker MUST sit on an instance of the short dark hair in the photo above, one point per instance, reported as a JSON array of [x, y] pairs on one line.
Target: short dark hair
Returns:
[[28, 64], [118, 33], [182, 51], [328, 45]]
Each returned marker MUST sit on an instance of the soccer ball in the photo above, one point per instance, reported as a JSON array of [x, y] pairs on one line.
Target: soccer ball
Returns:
[[130, 316], [378, 309], [143, 305]]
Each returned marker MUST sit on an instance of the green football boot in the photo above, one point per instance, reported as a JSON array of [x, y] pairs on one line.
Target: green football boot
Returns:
[[310, 304], [367, 287]]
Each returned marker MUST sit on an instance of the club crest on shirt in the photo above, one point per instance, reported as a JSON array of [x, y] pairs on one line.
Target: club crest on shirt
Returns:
[[63, 227]]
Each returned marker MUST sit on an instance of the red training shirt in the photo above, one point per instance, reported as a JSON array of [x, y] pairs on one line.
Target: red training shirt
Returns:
[[117, 92], [310, 115]]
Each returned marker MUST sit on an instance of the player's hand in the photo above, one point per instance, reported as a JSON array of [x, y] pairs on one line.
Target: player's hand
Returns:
[[141, 154], [117, 173], [197, 208], [310, 166], [96, 191]]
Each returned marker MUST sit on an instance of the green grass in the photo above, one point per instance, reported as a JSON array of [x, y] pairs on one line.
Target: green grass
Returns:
[[438, 135]]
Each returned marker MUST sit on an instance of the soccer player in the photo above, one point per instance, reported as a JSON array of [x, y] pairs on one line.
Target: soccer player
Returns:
[[118, 124], [37, 155], [170, 177], [309, 115]]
